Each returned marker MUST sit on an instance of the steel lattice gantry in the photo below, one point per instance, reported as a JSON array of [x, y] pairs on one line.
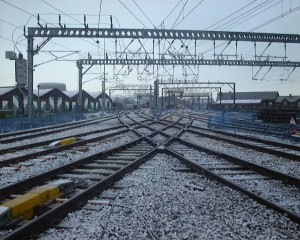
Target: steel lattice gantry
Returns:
[[209, 62], [189, 84], [137, 88], [160, 34], [192, 92]]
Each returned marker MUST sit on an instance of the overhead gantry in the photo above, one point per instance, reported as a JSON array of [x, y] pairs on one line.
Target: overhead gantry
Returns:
[[160, 57]]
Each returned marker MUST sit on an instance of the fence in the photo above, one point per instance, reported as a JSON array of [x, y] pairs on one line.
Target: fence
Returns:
[[245, 122], [22, 122]]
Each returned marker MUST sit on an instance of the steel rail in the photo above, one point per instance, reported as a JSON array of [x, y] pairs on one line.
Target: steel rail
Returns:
[[255, 167], [276, 144], [41, 131], [57, 148], [43, 143], [197, 168], [33, 181], [248, 145], [46, 220]]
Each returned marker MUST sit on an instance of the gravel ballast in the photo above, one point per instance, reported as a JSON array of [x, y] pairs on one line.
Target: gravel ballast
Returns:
[[160, 203], [39, 165]]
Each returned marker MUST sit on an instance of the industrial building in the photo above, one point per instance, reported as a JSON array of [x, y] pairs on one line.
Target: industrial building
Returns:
[[50, 100]]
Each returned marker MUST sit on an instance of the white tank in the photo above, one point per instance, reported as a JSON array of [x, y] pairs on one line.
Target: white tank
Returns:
[[59, 86]]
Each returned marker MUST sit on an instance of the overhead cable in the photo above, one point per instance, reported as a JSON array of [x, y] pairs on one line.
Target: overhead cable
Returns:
[[133, 14], [230, 15], [144, 13], [179, 13], [275, 19], [170, 13], [193, 9], [240, 22]]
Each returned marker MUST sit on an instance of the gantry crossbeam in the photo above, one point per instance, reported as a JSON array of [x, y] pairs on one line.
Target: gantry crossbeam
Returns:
[[188, 62], [131, 86], [161, 34]]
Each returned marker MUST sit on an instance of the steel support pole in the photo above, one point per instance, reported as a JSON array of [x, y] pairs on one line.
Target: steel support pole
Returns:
[[109, 94], [103, 95], [150, 98], [234, 95], [220, 98], [156, 94], [80, 86], [162, 99], [39, 102], [30, 54]]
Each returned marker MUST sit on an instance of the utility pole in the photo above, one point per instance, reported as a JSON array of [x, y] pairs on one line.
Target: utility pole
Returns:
[[30, 53], [80, 85], [156, 94]]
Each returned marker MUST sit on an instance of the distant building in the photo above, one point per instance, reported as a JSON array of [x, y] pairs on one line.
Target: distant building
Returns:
[[245, 100], [288, 102], [14, 98], [51, 100]]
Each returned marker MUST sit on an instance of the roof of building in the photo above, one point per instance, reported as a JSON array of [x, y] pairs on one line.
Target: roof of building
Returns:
[[70, 94], [250, 95], [98, 94], [41, 92], [95, 94], [279, 99], [6, 90], [244, 101]]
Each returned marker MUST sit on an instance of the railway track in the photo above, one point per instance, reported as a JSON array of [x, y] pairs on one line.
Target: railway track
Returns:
[[276, 148], [285, 162], [261, 183], [22, 153], [240, 125], [91, 175], [46, 131], [86, 173]]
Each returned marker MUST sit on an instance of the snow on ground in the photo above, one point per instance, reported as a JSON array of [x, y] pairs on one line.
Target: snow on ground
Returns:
[[159, 201], [165, 204], [172, 131], [78, 130], [284, 195], [37, 149], [159, 138], [144, 130], [285, 140], [277, 163], [157, 126], [254, 134], [41, 165]]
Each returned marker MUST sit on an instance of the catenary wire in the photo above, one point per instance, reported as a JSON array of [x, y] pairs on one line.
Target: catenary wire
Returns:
[[179, 14], [193, 9], [144, 13], [133, 14]]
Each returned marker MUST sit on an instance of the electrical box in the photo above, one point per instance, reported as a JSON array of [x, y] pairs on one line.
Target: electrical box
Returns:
[[10, 55], [21, 71]]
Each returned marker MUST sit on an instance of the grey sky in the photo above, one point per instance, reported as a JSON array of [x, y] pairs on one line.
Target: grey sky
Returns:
[[188, 15]]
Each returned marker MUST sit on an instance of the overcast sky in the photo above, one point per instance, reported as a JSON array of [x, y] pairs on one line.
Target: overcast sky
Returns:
[[229, 15]]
